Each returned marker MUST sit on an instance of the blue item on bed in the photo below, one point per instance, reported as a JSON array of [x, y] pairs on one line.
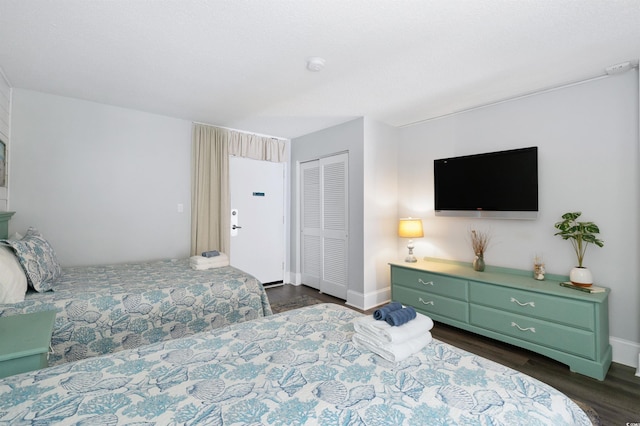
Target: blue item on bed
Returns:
[[211, 253], [381, 314], [401, 316]]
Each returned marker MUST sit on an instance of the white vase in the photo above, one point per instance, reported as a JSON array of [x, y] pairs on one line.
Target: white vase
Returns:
[[581, 276]]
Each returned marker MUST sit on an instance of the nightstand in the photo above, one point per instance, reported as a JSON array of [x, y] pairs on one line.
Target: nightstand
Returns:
[[24, 342]]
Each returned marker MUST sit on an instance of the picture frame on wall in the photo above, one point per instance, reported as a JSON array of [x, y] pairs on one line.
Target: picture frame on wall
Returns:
[[3, 164]]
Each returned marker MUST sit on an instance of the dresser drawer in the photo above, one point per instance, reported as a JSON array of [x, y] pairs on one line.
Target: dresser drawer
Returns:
[[570, 312], [554, 336], [432, 303], [432, 283]]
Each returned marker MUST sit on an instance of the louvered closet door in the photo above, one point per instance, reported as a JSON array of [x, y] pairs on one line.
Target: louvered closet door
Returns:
[[311, 230], [334, 173], [325, 225]]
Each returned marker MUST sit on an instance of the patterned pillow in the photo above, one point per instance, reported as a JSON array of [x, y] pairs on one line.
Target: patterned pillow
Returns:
[[13, 281], [38, 259]]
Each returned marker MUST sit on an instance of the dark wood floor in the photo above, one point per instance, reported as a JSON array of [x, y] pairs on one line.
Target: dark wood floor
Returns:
[[616, 399]]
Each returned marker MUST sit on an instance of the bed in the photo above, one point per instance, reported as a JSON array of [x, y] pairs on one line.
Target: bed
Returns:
[[297, 367], [108, 308]]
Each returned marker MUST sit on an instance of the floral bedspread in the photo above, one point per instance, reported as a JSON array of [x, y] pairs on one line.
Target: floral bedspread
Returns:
[[297, 367], [104, 309]]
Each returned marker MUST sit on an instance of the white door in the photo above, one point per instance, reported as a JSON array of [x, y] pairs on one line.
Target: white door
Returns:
[[257, 199], [324, 219]]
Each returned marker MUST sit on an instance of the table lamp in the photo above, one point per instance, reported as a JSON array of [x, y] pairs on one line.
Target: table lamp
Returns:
[[410, 228]]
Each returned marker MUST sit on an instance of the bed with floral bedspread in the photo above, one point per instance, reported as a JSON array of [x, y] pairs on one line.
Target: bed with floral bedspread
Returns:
[[105, 309], [297, 367]]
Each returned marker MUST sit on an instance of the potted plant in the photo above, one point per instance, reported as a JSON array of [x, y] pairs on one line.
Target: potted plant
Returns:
[[581, 234]]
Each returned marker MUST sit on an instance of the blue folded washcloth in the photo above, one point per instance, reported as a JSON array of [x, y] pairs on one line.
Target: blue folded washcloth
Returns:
[[381, 314], [401, 316], [212, 253]]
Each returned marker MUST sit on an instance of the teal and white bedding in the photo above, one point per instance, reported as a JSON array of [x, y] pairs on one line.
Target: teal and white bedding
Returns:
[[105, 309], [298, 367]]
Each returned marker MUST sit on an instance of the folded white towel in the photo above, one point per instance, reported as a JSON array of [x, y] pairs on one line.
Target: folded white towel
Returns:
[[394, 352], [201, 260], [202, 263], [384, 333]]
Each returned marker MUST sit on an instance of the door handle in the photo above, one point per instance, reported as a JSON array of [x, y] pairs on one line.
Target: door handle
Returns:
[[236, 227]]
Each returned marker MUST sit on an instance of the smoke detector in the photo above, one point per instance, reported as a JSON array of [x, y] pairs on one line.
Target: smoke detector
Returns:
[[315, 64]]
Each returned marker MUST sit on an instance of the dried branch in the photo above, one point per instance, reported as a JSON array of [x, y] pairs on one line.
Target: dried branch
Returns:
[[479, 241]]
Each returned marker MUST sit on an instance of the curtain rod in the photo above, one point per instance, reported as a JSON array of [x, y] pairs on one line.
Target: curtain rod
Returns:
[[517, 97], [242, 131]]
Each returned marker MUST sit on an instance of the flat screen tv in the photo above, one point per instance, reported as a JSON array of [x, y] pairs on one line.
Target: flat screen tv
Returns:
[[501, 185]]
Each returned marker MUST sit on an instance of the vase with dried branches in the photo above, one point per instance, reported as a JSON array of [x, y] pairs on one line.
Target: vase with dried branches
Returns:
[[479, 243]]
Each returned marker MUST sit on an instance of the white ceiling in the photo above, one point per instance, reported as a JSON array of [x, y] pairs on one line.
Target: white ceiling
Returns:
[[242, 63]]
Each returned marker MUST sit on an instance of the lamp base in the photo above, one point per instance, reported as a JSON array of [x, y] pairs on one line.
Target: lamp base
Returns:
[[410, 257]]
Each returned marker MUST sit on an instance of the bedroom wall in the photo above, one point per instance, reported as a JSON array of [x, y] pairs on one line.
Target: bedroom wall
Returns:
[[587, 136], [102, 183]]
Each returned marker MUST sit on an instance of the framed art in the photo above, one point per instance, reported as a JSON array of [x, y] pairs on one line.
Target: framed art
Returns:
[[3, 164]]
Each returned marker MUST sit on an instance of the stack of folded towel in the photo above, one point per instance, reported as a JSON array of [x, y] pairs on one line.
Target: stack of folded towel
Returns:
[[394, 332], [202, 262]]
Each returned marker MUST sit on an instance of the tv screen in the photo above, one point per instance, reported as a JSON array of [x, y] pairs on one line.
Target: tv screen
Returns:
[[500, 184]]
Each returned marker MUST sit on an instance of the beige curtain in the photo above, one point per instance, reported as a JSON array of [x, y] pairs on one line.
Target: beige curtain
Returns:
[[210, 199], [210, 205], [256, 147]]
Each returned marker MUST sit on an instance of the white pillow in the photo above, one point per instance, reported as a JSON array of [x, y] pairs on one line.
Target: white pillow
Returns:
[[13, 281]]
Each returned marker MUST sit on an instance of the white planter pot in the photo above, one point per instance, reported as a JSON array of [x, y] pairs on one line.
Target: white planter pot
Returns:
[[581, 277]]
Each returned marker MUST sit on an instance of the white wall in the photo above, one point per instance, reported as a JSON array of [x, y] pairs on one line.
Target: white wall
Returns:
[[587, 136], [380, 214], [102, 183]]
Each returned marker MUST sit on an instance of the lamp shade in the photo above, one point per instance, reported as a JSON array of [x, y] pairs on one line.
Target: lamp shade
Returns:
[[410, 228]]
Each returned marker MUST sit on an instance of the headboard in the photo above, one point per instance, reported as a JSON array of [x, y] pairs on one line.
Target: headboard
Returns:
[[4, 224]]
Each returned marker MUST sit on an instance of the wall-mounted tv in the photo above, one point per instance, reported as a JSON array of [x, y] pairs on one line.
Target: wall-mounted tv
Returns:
[[500, 185]]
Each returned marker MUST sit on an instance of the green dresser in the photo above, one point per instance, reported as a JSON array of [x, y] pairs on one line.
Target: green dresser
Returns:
[[509, 305], [24, 342], [4, 224]]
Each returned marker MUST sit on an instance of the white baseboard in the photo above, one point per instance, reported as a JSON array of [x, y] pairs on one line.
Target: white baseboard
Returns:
[[293, 278], [626, 352], [369, 300]]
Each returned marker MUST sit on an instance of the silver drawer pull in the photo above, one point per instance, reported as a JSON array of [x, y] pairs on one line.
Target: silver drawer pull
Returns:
[[425, 303], [531, 329], [425, 283], [532, 304]]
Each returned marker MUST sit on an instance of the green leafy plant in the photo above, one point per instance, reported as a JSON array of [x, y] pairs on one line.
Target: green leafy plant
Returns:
[[581, 234]]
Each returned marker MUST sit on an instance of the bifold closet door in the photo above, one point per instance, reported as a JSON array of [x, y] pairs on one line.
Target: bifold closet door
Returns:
[[324, 224], [311, 224]]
